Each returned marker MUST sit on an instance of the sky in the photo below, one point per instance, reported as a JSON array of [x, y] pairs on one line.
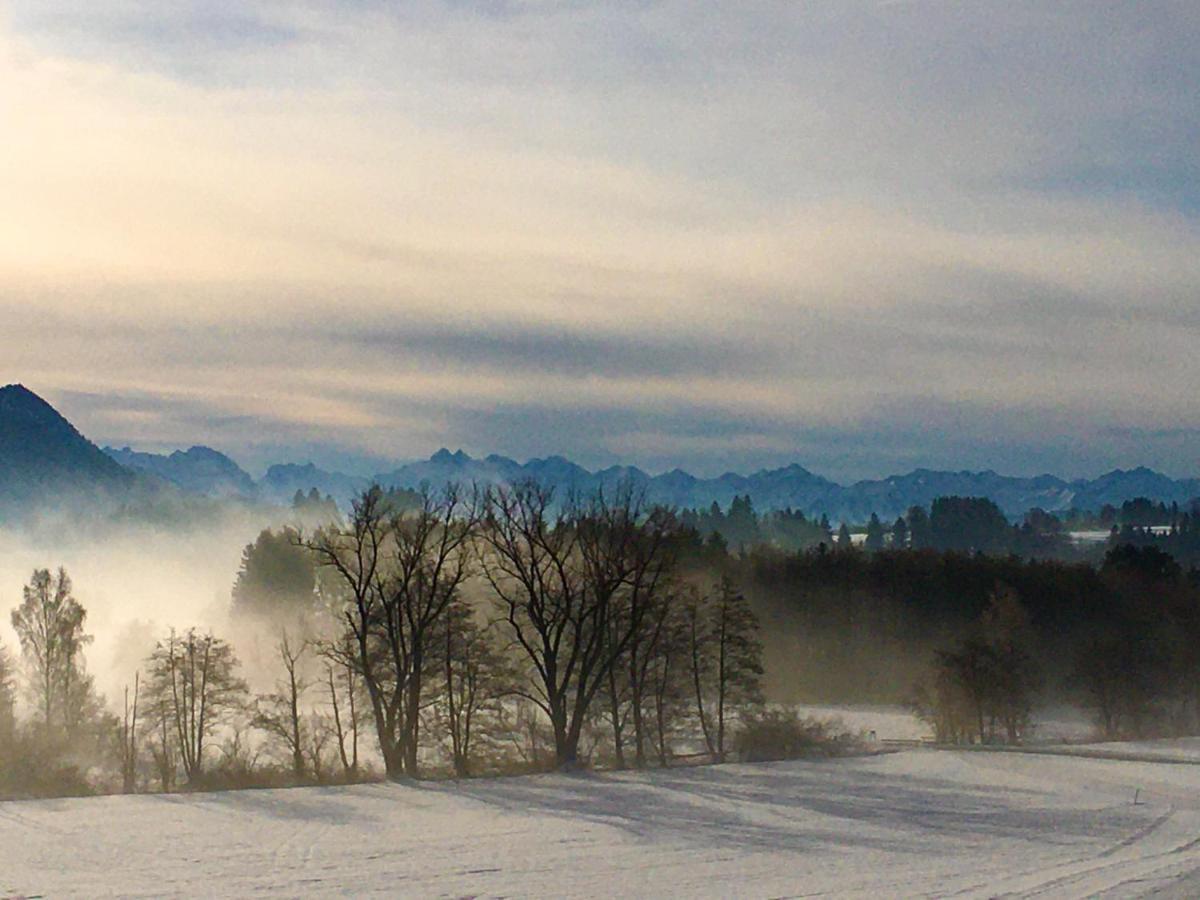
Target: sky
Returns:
[[860, 236]]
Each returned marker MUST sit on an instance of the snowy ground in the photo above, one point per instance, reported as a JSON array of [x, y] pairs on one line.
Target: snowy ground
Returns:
[[890, 723], [1174, 749], [917, 823], [895, 723]]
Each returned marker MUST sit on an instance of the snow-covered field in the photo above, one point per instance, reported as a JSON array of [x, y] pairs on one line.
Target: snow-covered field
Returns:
[[917, 823], [1173, 749], [895, 723], [889, 723]]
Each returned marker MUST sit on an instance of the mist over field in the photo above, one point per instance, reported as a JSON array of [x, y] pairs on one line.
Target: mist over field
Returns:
[[136, 582]]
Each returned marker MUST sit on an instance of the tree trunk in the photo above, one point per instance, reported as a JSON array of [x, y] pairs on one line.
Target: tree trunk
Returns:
[[294, 709], [393, 760], [704, 726], [614, 712], [722, 687], [637, 677], [566, 740], [412, 718], [639, 736], [393, 757], [660, 728]]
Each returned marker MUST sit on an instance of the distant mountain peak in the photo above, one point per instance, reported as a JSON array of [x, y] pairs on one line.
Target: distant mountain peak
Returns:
[[43, 456], [198, 469], [199, 451], [16, 389], [444, 457], [18, 399]]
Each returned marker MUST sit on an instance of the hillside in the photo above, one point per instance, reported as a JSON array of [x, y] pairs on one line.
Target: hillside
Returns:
[[43, 456]]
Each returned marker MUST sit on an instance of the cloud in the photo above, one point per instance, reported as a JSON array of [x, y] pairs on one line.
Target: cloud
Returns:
[[656, 232]]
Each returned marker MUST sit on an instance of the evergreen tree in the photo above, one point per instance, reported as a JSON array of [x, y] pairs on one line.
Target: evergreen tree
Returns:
[[276, 578], [919, 536], [874, 539], [826, 529], [969, 524], [844, 540]]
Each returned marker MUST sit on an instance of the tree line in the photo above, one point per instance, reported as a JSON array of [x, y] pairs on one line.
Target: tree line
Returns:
[[975, 643], [962, 524], [467, 632], [452, 631]]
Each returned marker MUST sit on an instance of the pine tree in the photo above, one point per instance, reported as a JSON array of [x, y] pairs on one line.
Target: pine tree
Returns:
[[874, 534], [844, 540]]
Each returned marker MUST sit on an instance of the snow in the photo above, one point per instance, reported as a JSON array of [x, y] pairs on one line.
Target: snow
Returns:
[[890, 723], [1168, 750], [919, 822], [1052, 725]]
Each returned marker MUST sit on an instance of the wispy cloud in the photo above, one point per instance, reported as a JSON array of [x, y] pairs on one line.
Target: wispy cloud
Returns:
[[659, 232]]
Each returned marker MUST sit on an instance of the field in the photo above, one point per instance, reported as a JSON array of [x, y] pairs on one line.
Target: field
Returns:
[[914, 823]]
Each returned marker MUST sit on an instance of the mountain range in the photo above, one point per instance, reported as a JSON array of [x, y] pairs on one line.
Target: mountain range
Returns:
[[42, 455], [791, 487]]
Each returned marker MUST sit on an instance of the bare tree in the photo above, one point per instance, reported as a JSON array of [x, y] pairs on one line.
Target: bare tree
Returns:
[[8, 718], [522, 728], [129, 748], [50, 625], [476, 679], [429, 561], [355, 555], [572, 586], [279, 713], [967, 678], [237, 757], [726, 660], [615, 694], [629, 691], [1007, 631], [530, 559], [666, 674], [194, 685], [946, 705], [318, 733], [649, 656], [983, 687], [161, 742], [342, 685], [401, 570], [1113, 677]]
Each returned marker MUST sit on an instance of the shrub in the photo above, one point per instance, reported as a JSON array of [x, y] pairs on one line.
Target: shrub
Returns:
[[777, 733]]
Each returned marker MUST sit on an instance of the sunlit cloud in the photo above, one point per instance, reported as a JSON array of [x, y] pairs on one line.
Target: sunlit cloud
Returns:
[[651, 233]]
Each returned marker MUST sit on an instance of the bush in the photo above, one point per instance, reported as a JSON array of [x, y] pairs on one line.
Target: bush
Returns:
[[776, 733], [30, 768]]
